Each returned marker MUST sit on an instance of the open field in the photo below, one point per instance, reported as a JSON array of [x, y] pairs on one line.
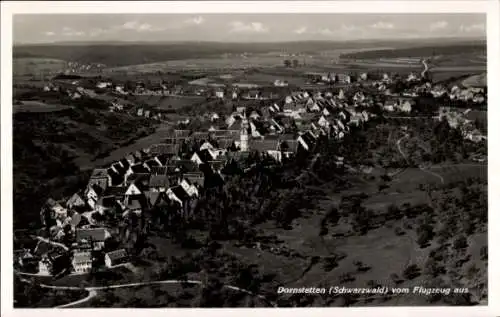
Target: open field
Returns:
[[473, 48], [37, 66], [267, 79], [169, 102], [158, 136], [36, 106], [476, 81]]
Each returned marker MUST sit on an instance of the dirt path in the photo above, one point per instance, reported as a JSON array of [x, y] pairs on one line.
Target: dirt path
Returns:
[[51, 242], [432, 173], [93, 290]]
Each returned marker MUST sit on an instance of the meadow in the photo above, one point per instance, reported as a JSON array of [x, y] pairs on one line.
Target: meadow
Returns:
[[37, 106]]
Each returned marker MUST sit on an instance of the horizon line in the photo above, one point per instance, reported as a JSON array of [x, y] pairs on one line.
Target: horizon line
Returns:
[[398, 39]]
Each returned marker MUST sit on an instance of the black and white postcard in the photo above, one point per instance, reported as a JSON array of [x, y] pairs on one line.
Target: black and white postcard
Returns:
[[269, 155]]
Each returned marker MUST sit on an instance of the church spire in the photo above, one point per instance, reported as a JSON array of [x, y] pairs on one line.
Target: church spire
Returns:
[[244, 133]]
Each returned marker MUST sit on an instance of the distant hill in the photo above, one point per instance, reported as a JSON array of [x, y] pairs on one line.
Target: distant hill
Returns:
[[477, 81], [421, 51], [131, 53]]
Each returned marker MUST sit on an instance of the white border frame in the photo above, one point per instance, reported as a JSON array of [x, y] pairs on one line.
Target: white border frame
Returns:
[[491, 8]]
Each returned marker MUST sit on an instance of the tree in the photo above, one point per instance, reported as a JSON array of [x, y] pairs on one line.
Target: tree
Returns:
[[287, 63], [425, 234], [484, 253], [295, 63], [396, 279], [411, 272], [460, 243], [433, 269]]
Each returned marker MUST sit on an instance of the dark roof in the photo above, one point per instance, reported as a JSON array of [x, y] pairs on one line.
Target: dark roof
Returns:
[[159, 170], [125, 163], [158, 149], [107, 202], [204, 155], [164, 158], [260, 126], [139, 169], [289, 145], [98, 190], [119, 169], [308, 138], [152, 163], [265, 145], [95, 234], [186, 166], [159, 181], [117, 254], [116, 178], [99, 173], [114, 191], [180, 193]]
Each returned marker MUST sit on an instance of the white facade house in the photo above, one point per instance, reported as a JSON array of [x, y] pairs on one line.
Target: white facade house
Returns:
[[82, 262]]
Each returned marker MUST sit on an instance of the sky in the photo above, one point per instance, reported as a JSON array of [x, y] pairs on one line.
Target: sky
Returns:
[[43, 28]]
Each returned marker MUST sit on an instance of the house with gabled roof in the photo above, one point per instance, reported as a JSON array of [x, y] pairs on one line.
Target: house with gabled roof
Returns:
[[82, 262], [189, 187], [156, 199], [116, 257], [159, 149], [138, 169], [207, 145], [118, 168], [116, 178], [95, 236], [159, 170], [100, 178], [159, 183], [307, 140], [138, 186], [92, 194], [75, 201], [203, 156], [134, 204], [178, 194], [104, 204], [323, 122], [151, 163]]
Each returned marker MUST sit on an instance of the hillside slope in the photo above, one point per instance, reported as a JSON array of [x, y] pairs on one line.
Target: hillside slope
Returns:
[[52, 152]]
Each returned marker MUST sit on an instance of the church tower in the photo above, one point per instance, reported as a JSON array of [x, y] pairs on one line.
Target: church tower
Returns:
[[244, 133]]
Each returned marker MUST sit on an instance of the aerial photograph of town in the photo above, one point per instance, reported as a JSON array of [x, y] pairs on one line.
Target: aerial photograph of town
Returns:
[[249, 160]]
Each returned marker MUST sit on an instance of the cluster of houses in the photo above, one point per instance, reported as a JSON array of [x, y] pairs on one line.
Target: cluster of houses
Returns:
[[458, 120], [330, 78], [76, 67], [173, 174]]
